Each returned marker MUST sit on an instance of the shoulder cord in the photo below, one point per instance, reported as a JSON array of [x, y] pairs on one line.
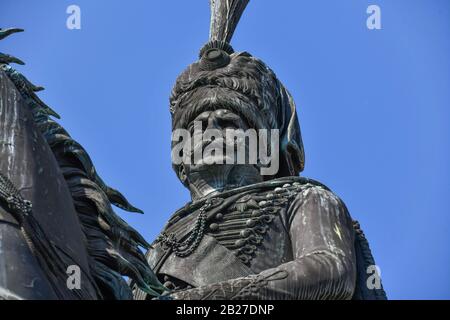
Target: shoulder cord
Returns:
[[185, 248]]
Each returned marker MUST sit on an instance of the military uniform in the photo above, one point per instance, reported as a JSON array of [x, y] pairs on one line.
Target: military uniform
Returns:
[[271, 240]]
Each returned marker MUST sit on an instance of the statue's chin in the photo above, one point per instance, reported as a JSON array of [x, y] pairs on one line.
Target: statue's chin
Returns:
[[221, 161], [216, 160], [221, 168], [216, 177]]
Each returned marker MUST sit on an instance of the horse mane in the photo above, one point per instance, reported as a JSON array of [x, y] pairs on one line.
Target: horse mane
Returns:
[[113, 246]]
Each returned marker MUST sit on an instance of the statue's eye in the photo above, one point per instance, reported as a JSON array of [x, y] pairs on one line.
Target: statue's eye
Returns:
[[229, 123], [198, 124]]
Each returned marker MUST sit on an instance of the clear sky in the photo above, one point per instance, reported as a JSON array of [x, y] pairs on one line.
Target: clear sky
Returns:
[[373, 106]]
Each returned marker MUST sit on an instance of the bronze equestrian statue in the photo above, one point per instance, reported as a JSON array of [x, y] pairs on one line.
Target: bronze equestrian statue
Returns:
[[244, 235]]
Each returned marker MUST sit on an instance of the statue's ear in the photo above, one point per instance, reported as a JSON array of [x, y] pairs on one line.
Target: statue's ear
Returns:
[[181, 173], [291, 146]]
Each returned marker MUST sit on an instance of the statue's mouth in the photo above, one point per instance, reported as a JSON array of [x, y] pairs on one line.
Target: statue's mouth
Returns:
[[214, 157]]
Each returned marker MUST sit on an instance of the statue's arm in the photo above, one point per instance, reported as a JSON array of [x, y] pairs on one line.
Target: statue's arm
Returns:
[[324, 259]]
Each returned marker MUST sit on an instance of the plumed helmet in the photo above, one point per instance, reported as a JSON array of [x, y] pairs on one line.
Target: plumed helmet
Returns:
[[222, 78]]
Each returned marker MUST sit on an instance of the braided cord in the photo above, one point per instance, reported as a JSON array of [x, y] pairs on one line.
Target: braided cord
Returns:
[[188, 246], [11, 196]]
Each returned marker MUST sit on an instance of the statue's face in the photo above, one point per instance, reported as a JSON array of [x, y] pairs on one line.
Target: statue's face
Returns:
[[224, 153], [213, 133]]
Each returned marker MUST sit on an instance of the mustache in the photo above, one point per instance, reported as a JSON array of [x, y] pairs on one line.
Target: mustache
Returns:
[[224, 145], [218, 143]]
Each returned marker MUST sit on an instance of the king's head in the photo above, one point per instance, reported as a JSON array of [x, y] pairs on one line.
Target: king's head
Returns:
[[225, 89]]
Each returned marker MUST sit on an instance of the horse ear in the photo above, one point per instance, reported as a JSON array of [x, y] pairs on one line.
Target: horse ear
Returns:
[[291, 147]]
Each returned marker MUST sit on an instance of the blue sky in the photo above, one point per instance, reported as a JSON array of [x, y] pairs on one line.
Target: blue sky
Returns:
[[373, 106]]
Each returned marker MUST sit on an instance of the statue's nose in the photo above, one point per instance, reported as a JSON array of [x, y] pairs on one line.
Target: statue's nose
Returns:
[[214, 58], [215, 120]]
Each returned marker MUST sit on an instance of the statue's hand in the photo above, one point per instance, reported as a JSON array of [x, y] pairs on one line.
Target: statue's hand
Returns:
[[163, 297], [216, 291], [190, 294]]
